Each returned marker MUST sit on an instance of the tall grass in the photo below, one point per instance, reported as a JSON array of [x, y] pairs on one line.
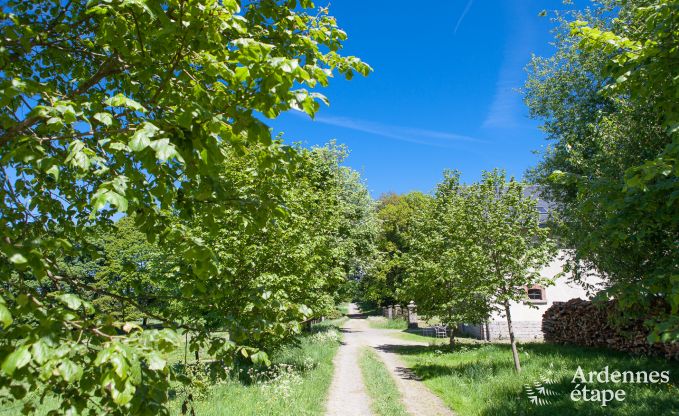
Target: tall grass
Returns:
[[297, 383], [379, 322], [386, 399], [478, 379]]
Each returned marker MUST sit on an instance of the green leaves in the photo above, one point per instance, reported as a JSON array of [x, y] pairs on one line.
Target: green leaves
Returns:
[[473, 248], [16, 360], [252, 50], [70, 371], [104, 196], [608, 101], [151, 108], [120, 100], [5, 316], [142, 137], [104, 118], [165, 150], [155, 362], [71, 301], [18, 258]]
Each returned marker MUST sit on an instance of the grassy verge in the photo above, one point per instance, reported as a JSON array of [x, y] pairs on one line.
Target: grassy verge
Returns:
[[296, 384], [478, 379], [380, 322], [343, 308], [409, 336], [386, 399]]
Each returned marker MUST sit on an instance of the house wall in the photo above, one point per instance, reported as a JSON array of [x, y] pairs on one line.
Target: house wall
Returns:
[[527, 316]]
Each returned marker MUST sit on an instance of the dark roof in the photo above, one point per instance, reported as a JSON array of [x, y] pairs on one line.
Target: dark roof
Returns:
[[544, 206]]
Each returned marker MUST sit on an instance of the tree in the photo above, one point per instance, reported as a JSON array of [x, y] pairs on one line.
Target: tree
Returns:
[[396, 214], [475, 249], [272, 278], [513, 246], [606, 99], [442, 272], [130, 268], [111, 107]]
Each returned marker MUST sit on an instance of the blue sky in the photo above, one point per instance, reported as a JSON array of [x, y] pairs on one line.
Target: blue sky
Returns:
[[442, 94]]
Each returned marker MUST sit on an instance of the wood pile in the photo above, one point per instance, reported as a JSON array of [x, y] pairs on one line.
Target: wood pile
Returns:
[[582, 322]]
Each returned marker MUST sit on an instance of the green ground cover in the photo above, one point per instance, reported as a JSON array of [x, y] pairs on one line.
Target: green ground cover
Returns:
[[386, 399], [379, 322], [478, 379]]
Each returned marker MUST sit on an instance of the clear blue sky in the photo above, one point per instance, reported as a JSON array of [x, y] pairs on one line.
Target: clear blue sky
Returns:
[[442, 94]]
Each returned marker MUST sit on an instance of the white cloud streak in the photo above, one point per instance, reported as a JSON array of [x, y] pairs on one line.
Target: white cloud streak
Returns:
[[405, 134], [463, 15], [506, 107]]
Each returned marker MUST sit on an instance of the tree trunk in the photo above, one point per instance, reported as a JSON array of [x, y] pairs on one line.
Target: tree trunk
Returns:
[[144, 321], [512, 340], [451, 340], [186, 346]]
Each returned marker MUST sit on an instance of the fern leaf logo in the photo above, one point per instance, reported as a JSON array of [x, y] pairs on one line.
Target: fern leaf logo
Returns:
[[539, 392]]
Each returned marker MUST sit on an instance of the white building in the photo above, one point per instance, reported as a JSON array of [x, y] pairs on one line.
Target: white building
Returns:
[[527, 314]]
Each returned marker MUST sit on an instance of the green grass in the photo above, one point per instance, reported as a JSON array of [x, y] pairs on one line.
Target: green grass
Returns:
[[386, 399], [409, 336], [299, 387], [380, 322], [343, 308], [479, 379]]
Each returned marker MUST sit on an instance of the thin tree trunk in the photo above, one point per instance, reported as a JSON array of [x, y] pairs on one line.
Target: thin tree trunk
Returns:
[[487, 332], [186, 346], [144, 321], [451, 340], [512, 340]]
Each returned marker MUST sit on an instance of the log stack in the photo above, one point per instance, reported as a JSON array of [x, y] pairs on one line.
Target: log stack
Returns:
[[582, 322]]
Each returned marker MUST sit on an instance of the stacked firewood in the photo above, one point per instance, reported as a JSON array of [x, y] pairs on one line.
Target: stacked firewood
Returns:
[[582, 322]]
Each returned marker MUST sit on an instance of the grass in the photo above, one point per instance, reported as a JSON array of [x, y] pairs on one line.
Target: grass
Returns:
[[296, 384], [343, 308], [478, 379], [409, 336], [380, 322], [386, 399]]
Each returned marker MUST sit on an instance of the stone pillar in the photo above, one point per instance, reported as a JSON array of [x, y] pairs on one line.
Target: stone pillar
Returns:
[[412, 315], [390, 312]]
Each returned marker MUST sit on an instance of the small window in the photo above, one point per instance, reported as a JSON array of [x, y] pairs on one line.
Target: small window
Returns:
[[535, 294]]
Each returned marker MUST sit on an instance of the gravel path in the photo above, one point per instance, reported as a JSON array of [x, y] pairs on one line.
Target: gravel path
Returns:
[[348, 396]]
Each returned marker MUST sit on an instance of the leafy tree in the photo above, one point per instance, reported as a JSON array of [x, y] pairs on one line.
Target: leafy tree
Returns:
[[293, 268], [607, 99], [396, 214], [121, 106], [512, 245], [475, 249], [442, 264], [129, 270]]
